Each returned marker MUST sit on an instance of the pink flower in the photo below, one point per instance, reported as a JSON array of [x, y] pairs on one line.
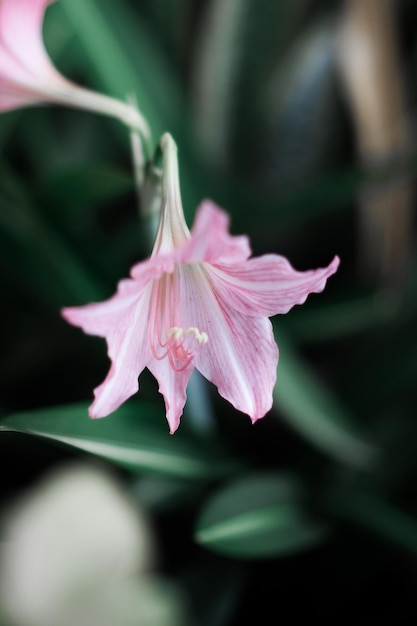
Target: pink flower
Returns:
[[200, 302], [27, 76]]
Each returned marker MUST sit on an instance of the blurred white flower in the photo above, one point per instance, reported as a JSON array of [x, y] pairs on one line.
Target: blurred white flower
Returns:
[[76, 551]]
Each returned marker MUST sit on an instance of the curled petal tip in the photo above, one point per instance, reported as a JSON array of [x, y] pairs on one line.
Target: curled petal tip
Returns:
[[95, 413], [64, 314], [256, 418], [173, 425], [71, 315], [335, 263], [92, 413]]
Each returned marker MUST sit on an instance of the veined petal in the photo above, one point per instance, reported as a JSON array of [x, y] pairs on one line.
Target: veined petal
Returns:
[[129, 351], [172, 228], [172, 385], [153, 267], [175, 339], [267, 285], [102, 318], [240, 356], [211, 241], [241, 360]]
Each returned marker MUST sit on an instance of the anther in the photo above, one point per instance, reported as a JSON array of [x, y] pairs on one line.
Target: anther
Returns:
[[177, 332]]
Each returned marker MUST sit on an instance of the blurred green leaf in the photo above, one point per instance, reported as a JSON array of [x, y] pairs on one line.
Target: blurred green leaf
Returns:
[[126, 59], [163, 493], [312, 410], [8, 123], [170, 19], [259, 516], [357, 312], [45, 262], [89, 184], [216, 68], [376, 515], [215, 587], [235, 46], [348, 316], [135, 437], [93, 208]]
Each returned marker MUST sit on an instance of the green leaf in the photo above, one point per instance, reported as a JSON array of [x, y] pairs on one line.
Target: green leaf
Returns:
[[259, 516], [46, 262], [135, 437], [235, 47], [376, 515], [88, 184], [166, 494], [125, 59], [8, 123], [351, 315], [315, 413], [215, 73]]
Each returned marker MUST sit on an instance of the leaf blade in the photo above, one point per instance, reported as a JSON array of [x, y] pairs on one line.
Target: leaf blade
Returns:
[[259, 516], [312, 411], [134, 437]]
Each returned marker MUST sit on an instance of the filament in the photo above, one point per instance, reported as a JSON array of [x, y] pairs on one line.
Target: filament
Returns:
[[169, 339]]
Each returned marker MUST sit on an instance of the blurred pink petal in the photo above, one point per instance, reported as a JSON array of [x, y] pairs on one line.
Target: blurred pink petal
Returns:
[[27, 76], [198, 302]]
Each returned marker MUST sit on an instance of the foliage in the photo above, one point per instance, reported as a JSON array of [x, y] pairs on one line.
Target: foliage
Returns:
[[312, 510]]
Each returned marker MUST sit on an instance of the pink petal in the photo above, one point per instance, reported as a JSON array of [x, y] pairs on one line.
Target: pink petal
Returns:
[[153, 268], [103, 318], [172, 385], [123, 321], [14, 101], [27, 76], [21, 38], [129, 351], [241, 360], [13, 77], [120, 383], [171, 362], [211, 240], [267, 285], [240, 356]]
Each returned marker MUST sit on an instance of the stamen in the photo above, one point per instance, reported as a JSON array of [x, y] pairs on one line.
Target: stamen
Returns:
[[177, 331], [201, 337], [181, 349], [169, 340]]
